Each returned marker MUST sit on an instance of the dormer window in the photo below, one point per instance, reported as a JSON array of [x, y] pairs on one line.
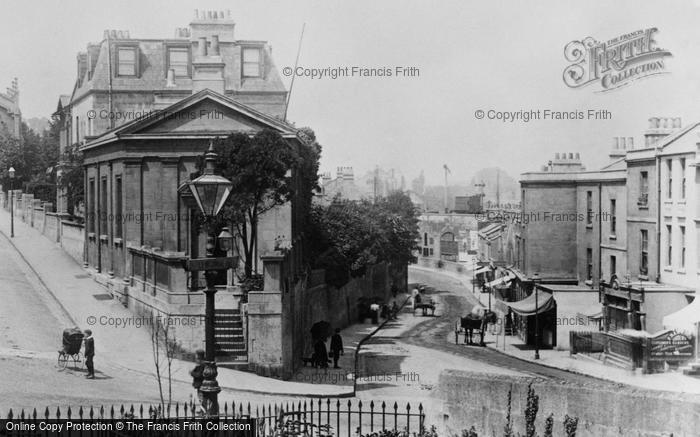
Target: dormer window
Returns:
[[252, 62], [127, 61], [179, 61]]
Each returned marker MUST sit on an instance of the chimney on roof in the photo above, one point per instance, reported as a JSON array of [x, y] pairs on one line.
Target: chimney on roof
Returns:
[[659, 127], [207, 23], [82, 67], [115, 34], [208, 67], [214, 45], [182, 32], [566, 162], [202, 46]]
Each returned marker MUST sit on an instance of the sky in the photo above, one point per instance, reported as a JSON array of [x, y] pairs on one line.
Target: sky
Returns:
[[470, 56]]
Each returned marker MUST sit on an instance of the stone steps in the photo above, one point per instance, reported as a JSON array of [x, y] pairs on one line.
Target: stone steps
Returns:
[[691, 369], [231, 345]]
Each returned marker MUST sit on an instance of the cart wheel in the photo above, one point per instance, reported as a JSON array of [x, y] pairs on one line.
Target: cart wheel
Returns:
[[62, 360], [76, 360]]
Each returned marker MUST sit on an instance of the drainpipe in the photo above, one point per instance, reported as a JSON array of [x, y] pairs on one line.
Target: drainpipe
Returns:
[[110, 208], [658, 218], [98, 203], [600, 232], [86, 212], [109, 82]]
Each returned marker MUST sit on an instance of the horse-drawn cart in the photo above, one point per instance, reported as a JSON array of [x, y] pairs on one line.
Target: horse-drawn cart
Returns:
[[478, 320], [425, 307]]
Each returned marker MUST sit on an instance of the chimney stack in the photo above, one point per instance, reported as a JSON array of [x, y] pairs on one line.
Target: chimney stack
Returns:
[[202, 46], [660, 127], [215, 45], [208, 23]]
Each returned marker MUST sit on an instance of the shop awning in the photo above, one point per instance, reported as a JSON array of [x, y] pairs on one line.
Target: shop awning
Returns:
[[482, 270], [686, 319], [526, 307], [503, 280]]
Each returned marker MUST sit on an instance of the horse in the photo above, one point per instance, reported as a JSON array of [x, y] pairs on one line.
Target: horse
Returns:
[[477, 320]]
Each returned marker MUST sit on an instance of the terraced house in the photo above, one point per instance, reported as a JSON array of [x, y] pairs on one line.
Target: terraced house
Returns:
[[628, 255]]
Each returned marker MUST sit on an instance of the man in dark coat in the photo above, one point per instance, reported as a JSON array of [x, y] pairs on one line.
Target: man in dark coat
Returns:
[[197, 374], [320, 353], [89, 354], [336, 348]]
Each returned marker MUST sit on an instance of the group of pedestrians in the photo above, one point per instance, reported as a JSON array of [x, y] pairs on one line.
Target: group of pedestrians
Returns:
[[320, 356]]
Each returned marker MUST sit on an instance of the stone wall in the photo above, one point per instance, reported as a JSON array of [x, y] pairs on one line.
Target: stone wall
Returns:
[[72, 237], [281, 316], [52, 226], [481, 400]]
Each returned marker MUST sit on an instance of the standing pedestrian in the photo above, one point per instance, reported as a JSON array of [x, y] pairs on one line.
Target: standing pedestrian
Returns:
[[394, 311], [336, 348], [320, 353], [89, 354]]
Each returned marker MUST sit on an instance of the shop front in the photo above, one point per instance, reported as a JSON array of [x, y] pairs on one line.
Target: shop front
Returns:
[[536, 319]]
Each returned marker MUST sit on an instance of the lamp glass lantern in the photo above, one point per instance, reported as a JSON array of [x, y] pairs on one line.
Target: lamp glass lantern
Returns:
[[210, 191], [225, 239], [11, 171]]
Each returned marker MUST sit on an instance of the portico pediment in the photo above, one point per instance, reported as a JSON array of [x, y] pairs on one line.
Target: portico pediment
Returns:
[[203, 114], [203, 117]]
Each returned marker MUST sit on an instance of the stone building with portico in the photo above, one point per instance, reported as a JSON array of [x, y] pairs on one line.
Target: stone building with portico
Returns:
[[139, 230]]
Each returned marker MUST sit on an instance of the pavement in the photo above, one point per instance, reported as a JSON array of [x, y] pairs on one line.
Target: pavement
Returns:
[[79, 301], [513, 346]]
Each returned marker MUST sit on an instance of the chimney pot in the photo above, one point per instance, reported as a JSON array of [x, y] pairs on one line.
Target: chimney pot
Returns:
[[202, 46], [215, 45]]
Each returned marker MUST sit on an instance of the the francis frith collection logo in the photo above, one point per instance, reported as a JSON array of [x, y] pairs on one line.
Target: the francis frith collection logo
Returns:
[[616, 62]]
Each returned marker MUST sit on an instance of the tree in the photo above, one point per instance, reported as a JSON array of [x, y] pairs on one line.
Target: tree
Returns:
[[261, 168], [72, 181], [33, 158], [350, 236], [11, 156]]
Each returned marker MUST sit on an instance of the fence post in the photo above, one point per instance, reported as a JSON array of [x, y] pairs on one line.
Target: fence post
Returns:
[[647, 356], [572, 343]]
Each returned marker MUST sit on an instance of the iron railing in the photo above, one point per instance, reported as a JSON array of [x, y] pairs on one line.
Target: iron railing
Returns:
[[312, 418]]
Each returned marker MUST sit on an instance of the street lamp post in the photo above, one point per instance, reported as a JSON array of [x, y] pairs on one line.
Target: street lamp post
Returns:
[[12, 202], [210, 192], [535, 279]]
